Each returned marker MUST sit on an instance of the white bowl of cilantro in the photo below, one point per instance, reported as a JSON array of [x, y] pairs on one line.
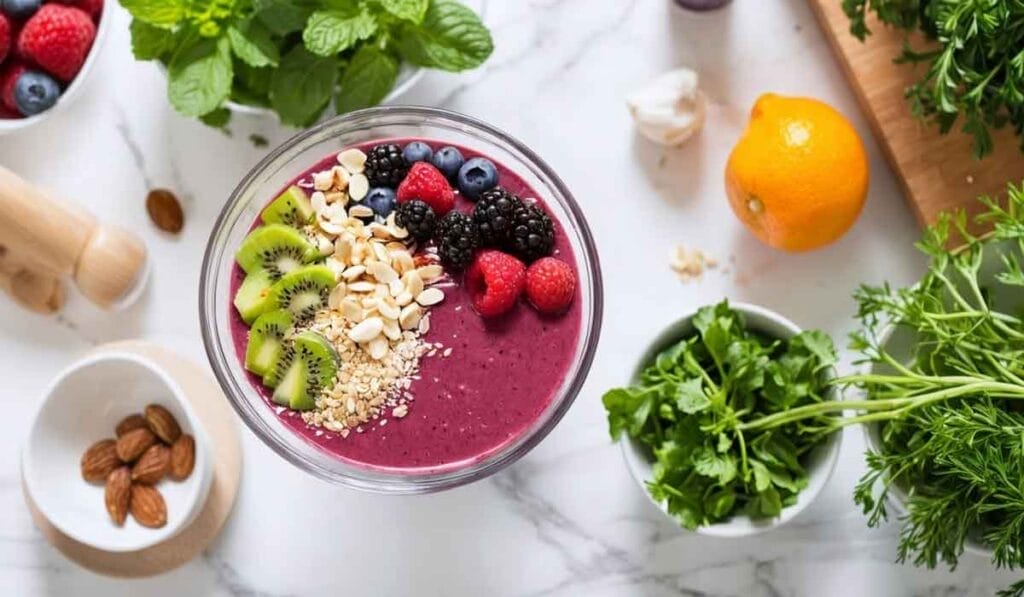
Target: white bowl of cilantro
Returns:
[[703, 429], [301, 60]]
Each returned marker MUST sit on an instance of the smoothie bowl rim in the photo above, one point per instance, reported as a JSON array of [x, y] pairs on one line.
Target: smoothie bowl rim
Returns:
[[378, 123], [819, 472]]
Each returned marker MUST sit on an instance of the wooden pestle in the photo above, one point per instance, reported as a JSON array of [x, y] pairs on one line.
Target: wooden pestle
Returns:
[[36, 291], [54, 238]]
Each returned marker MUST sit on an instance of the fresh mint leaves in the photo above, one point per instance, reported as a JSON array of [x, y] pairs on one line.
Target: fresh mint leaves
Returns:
[[299, 56], [687, 405]]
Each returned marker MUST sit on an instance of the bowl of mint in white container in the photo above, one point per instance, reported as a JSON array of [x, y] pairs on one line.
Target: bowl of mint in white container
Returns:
[[702, 424], [304, 61]]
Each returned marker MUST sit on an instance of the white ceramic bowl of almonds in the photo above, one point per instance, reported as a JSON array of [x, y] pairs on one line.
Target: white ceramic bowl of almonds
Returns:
[[83, 405]]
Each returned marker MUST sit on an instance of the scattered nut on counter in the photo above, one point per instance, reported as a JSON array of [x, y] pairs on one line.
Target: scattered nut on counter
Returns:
[[669, 109]]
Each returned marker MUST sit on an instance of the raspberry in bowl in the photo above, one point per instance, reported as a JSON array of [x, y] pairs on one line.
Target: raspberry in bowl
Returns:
[[366, 301], [47, 49]]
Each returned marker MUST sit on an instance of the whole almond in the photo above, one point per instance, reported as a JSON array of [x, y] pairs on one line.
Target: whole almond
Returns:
[[152, 465], [165, 210], [183, 457], [117, 493], [162, 423], [99, 460], [132, 444], [128, 423], [147, 506]]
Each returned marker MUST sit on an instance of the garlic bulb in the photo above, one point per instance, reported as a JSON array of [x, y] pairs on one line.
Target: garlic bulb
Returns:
[[669, 109]]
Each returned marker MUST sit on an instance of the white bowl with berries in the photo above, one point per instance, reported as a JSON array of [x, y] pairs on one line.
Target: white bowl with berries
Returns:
[[47, 49]]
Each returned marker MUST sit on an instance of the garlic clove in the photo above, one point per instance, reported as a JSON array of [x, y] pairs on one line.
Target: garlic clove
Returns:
[[669, 109]]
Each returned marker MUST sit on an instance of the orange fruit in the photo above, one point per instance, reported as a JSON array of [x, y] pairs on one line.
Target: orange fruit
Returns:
[[798, 176]]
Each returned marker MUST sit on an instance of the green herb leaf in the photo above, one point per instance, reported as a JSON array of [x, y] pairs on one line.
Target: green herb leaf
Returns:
[[150, 42], [200, 77], [283, 16], [689, 396], [710, 463], [166, 13], [409, 10], [451, 37], [302, 86], [251, 42], [219, 118], [331, 31], [367, 80]]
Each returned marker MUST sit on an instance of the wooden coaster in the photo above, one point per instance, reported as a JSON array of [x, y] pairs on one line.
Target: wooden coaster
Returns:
[[221, 426]]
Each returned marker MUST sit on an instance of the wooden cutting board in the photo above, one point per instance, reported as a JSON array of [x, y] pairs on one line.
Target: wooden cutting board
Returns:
[[938, 172]]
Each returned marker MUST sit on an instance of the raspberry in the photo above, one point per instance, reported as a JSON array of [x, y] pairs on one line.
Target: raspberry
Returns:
[[93, 7], [8, 77], [426, 183], [495, 280], [58, 39], [5, 37], [550, 285]]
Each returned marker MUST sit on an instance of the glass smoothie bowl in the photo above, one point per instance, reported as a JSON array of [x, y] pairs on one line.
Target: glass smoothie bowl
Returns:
[[417, 404]]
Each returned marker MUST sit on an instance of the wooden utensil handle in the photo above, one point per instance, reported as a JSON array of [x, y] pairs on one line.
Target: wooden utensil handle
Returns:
[[34, 290], [53, 236]]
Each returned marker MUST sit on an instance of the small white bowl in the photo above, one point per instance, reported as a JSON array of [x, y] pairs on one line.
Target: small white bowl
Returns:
[[82, 406], [12, 125], [820, 465]]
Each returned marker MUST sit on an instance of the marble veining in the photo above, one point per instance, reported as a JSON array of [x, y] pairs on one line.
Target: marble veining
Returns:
[[567, 519]]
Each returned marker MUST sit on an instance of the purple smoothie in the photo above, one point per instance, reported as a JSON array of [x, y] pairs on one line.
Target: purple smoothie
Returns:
[[500, 377]]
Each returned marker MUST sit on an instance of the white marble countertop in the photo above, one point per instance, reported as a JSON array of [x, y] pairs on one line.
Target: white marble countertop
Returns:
[[567, 519]]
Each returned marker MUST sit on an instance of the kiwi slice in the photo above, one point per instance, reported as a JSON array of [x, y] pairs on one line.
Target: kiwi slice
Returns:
[[307, 365], [276, 248], [303, 291], [292, 208], [253, 297], [266, 341]]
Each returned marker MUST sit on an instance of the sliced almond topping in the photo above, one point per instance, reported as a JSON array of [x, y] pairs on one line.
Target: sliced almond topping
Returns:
[[366, 330], [403, 299], [392, 330], [340, 178], [343, 248], [337, 296], [362, 286], [381, 253], [369, 303], [354, 272], [358, 186], [413, 282], [389, 309], [360, 211], [430, 296], [322, 181], [324, 245], [396, 287], [410, 316], [335, 265], [431, 272], [353, 160], [398, 232], [331, 227], [351, 309], [381, 291], [336, 197], [319, 202], [378, 348], [382, 272]]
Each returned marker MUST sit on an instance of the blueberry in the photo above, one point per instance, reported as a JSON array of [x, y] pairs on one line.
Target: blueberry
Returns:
[[35, 92], [381, 200], [417, 151], [476, 176], [20, 9], [448, 160]]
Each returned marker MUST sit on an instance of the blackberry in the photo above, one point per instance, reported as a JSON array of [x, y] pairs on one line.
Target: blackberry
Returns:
[[418, 218], [493, 216], [385, 166], [533, 233], [457, 239]]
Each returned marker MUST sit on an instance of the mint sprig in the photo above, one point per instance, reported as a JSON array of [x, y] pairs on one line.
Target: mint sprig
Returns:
[[296, 56]]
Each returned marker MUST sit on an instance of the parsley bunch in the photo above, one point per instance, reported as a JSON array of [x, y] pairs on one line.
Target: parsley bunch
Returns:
[[687, 405], [297, 56], [945, 390], [976, 71]]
